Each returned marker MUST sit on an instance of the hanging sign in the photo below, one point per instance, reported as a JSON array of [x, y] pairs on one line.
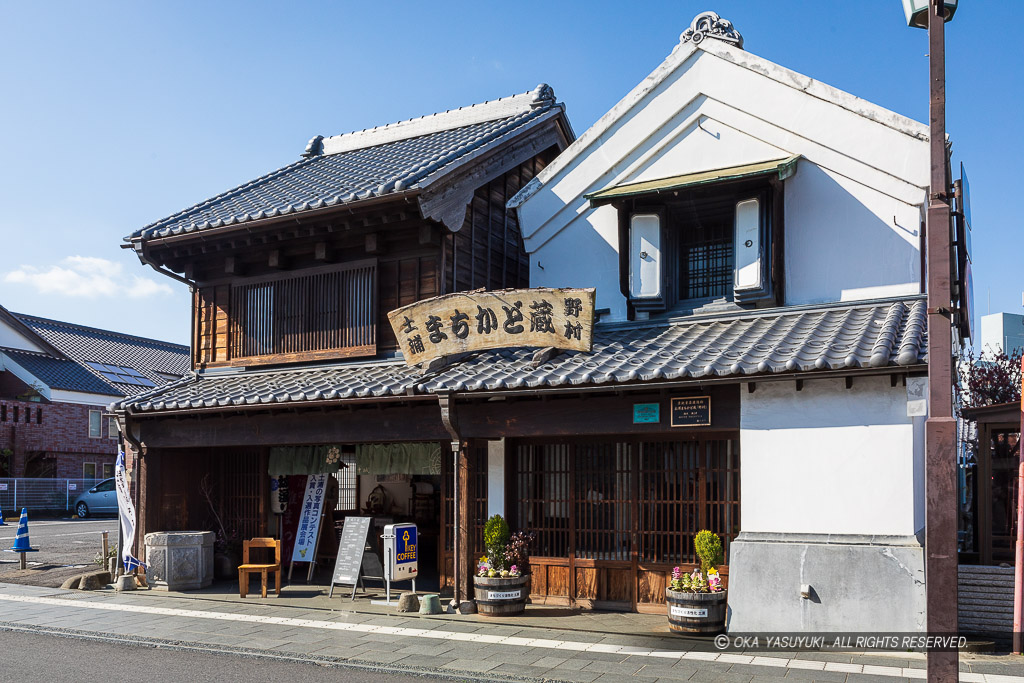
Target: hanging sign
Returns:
[[309, 522], [473, 321], [691, 411]]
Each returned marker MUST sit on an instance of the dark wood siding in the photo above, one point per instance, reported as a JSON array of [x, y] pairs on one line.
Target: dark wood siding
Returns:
[[488, 251], [404, 281]]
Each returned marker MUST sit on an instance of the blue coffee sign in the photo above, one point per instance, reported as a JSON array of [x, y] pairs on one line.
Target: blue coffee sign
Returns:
[[405, 544]]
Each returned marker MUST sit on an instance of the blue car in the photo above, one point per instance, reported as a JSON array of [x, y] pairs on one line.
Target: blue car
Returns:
[[101, 499]]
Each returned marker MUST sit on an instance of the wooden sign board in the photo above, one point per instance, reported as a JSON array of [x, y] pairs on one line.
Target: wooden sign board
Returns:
[[691, 411], [473, 321]]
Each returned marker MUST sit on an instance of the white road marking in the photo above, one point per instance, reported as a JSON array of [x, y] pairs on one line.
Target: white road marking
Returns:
[[440, 634]]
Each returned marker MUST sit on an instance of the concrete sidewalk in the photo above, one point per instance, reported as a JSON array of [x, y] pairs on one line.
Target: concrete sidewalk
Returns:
[[458, 647]]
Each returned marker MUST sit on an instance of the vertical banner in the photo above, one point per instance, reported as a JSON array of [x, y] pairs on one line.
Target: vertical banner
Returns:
[[309, 521], [126, 511]]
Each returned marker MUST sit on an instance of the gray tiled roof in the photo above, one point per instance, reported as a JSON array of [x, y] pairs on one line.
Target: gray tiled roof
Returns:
[[364, 164], [84, 344], [838, 337], [60, 373]]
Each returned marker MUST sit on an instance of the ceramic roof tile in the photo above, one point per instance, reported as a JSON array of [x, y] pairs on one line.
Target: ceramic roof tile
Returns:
[[149, 357], [370, 163], [839, 337], [60, 373]]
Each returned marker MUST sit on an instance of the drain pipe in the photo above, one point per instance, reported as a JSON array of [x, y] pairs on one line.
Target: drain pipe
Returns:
[[450, 419]]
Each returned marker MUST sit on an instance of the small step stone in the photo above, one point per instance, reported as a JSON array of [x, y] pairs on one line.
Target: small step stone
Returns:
[[430, 604], [125, 582], [409, 602]]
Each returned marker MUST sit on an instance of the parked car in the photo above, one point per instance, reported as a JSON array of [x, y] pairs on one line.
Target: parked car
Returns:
[[100, 499]]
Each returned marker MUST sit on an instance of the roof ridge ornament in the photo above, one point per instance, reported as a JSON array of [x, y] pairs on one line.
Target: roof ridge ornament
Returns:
[[710, 25]]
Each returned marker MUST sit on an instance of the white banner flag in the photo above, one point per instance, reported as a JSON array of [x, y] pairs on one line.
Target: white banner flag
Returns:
[[309, 521], [126, 510]]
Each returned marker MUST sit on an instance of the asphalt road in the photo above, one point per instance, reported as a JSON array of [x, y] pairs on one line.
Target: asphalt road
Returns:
[[66, 547], [43, 657]]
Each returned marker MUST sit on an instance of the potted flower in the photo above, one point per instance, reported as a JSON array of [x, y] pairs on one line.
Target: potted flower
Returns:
[[501, 578], [697, 601]]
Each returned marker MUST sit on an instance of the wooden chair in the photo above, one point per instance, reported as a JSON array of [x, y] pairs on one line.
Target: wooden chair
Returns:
[[247, 568]]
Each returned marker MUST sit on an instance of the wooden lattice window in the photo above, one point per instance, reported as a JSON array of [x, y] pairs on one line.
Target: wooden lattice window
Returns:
[[319, 313], [605, 500]]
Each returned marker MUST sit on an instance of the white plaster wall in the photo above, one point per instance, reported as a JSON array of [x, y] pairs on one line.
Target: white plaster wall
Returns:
[[852, 209], [846, 241], [496, 478], [827, 459], [13, 339]]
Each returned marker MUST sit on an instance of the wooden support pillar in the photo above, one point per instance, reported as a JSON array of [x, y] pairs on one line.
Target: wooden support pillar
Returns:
[[463, 545]]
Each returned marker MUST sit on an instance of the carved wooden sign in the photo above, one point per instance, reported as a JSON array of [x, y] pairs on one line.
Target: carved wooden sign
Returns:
[[473, 321]]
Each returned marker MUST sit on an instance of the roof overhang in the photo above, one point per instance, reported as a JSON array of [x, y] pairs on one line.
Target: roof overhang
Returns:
[[780, 168]]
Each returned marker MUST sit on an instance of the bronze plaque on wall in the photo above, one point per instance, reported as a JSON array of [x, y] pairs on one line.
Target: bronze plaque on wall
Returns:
[[691, 411], [472, 321]]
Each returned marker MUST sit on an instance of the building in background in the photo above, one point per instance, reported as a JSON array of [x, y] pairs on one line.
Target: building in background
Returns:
[[56, 381], [1002, 332]]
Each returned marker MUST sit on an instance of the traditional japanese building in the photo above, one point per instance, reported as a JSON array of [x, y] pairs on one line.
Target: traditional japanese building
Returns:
[[753, 237]]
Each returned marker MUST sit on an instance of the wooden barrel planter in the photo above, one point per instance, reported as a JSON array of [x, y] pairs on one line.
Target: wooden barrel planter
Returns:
[[700, 613], [500, 597]]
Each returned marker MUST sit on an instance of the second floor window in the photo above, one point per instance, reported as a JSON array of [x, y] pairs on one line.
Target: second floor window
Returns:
[[327, 312]]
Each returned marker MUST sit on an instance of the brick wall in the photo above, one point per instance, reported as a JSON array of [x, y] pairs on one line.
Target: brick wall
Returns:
[[56, 432]]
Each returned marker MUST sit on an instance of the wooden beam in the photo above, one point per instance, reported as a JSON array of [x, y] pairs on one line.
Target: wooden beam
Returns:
[[232, 266], [374, 243], [322, 252], [429, 235], [275, 259], [849, 382]]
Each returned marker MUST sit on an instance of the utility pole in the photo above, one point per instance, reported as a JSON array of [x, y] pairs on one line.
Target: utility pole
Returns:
[[940, 428]]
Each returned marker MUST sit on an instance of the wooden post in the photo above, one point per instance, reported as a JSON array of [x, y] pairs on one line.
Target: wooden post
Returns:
[[940, 427], [1018, 567], [462, 544]]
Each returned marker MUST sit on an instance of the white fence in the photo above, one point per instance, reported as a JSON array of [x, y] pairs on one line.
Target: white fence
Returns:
[[41, 494]]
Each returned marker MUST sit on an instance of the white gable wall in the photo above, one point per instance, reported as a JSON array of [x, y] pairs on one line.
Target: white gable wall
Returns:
[[716, 107], [12, 339]]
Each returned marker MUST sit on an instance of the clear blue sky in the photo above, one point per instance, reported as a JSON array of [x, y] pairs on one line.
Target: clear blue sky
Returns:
[[116, 114]]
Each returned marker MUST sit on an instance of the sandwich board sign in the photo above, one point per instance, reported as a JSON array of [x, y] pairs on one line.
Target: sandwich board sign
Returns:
[[354, 562]]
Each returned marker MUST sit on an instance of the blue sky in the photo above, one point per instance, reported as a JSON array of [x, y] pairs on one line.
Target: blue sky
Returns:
[[116, 114]]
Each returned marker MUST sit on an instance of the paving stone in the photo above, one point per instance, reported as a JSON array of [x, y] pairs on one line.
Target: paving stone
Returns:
[[812, 675], [570, 676], [473, 665], [719, 677]]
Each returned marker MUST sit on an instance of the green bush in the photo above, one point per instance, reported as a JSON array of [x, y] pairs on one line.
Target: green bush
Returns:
[[496, 534], [709, 550]]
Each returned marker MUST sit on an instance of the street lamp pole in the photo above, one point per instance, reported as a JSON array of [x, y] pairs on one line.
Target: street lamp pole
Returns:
[[940, 427]]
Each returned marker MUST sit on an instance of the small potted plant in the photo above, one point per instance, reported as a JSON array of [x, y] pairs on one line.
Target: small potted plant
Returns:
[[697, 601], [500, 583]]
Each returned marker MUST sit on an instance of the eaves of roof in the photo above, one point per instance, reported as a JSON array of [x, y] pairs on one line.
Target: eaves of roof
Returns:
[[864, 337]]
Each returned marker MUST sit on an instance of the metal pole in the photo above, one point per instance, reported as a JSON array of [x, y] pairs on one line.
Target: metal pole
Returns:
[[1018, 565], [940, 465]]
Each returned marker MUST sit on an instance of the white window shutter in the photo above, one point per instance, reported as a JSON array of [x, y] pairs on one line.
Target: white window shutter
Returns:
[[644, 256], [748, 245]]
